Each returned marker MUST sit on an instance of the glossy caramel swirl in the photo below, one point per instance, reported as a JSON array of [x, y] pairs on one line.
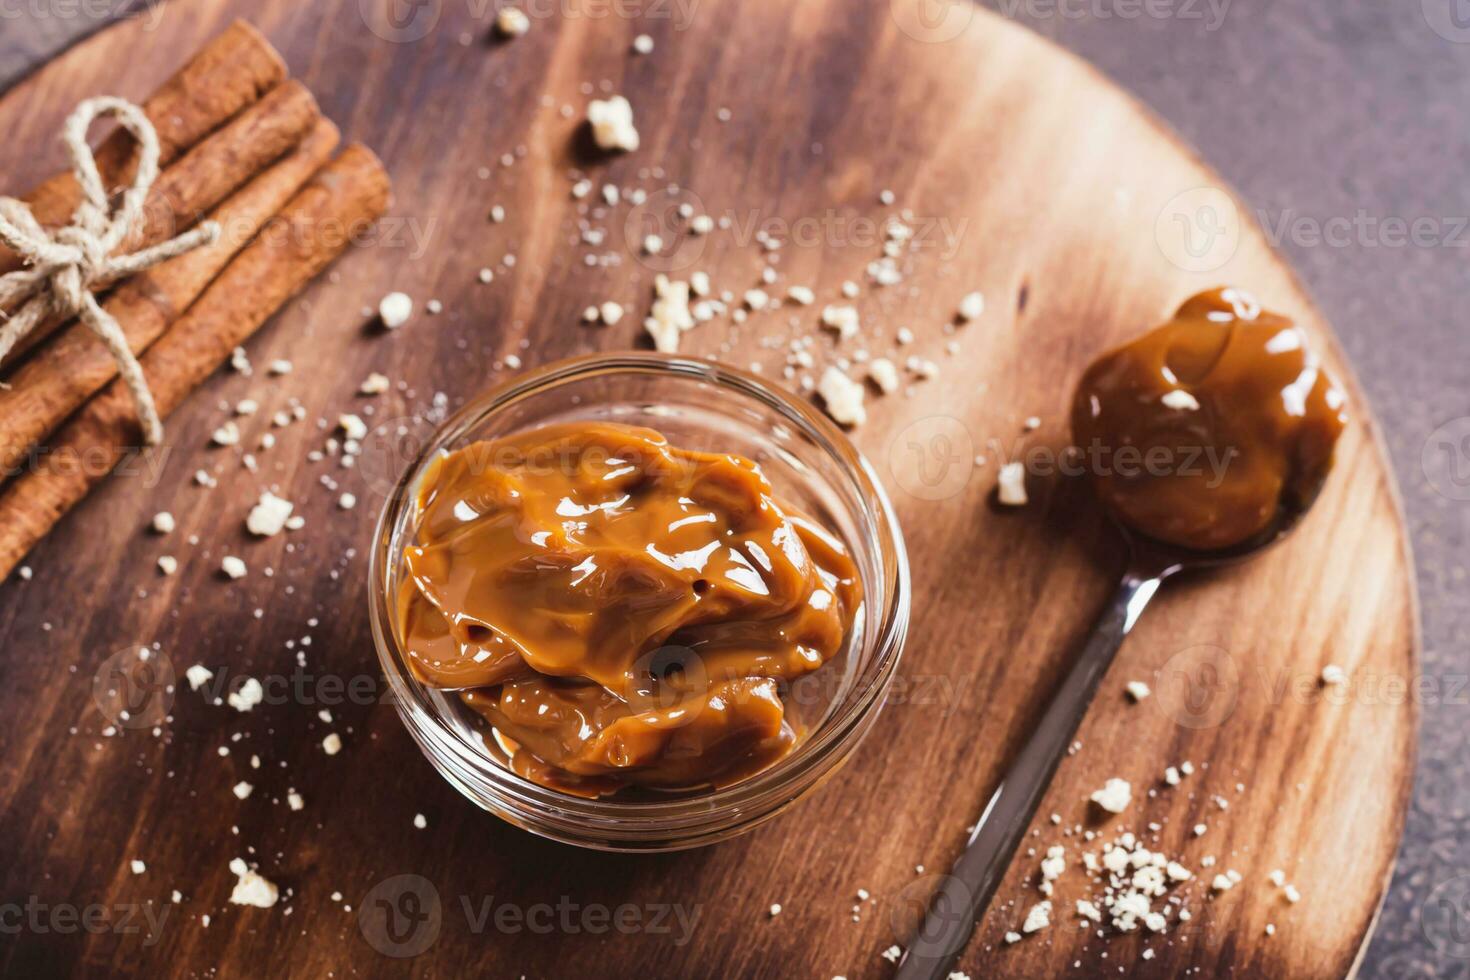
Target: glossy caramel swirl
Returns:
[[1207, 430], [621, 612]]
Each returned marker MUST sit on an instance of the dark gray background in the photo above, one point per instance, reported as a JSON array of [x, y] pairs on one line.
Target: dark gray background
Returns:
[[1348, 116]]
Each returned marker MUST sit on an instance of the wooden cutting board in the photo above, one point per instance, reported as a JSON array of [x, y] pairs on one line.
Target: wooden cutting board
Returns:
[[1030, 178]]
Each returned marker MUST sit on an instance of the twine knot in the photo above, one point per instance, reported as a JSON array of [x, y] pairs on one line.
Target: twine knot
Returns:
[[63, 267]]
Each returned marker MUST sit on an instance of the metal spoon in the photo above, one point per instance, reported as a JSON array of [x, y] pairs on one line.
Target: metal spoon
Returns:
[[965, 892]]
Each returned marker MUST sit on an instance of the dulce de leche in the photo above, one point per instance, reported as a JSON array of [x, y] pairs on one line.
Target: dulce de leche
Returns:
[[1204, 432], [617, 611]]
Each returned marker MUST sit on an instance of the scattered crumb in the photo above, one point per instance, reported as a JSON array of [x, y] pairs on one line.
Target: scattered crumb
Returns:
[[1115, 795], [972, 307], [250, 888], [198, 675], [268, 516], [843, 319], [512, 22], [612, 124], [843, 397], [670, 315], [1038, 918], [1011, 485], [395, 309], [352, 427], [226, 435], [247, 696], [883, 374]]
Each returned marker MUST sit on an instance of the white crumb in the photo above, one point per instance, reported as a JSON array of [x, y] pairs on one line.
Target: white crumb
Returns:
[[395, 309]]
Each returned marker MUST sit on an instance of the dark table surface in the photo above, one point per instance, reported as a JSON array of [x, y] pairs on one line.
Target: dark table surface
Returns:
[[1346, 124]]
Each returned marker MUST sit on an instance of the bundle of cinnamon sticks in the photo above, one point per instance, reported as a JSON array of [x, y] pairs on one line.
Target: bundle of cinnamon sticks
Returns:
[[242, 145]]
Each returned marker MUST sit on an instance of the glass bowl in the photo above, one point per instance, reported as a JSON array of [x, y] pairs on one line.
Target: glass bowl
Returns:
[[697, 405]]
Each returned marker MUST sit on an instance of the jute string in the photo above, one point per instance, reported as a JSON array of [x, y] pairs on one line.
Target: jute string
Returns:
[[64, 266]]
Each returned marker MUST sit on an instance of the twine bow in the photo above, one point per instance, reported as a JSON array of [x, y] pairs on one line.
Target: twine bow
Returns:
[[63, 267]]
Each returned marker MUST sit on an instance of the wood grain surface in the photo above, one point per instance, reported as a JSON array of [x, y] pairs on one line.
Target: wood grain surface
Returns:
[[1030, 179]]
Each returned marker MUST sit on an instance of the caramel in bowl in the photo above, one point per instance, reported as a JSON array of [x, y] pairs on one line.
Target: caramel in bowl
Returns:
[[619, 611]]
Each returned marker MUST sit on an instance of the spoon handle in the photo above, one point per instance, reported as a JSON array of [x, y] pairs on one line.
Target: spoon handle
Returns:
[[965, 892]]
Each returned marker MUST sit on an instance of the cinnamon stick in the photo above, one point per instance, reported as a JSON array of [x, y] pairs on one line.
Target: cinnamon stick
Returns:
[[315, 227], [64, 374], [226, 75], [223, 161], [216, 166]]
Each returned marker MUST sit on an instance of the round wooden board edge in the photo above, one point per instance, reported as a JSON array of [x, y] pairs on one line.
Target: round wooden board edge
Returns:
[[1348, 377]]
